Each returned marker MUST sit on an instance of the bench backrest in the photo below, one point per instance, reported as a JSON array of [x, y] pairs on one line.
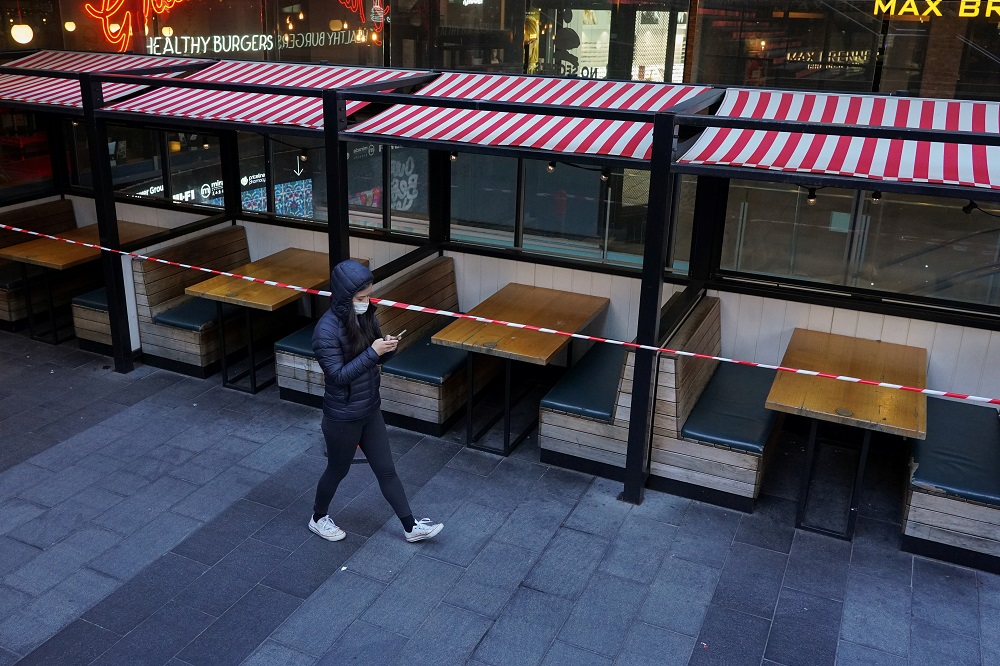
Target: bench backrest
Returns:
[[431, 285], [681, 379], [159, 286], [51, 217]]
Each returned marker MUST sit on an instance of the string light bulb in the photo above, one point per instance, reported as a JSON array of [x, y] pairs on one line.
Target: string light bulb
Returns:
[[605, 174], [811, 199], [21, 32], [876, 196], [551, 167], [167, 31], [453, 156], [69, 26], [969, 207]]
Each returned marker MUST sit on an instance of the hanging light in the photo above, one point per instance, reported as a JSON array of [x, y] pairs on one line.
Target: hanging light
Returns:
[[69, 26], [302, 16], [206, 145], [304, 157], [167, 31], [969, 207], [876, 197], [605, 174], [336, 25], [114, 28], [21, 31], [452, 156], [811, 199], [551, 167]]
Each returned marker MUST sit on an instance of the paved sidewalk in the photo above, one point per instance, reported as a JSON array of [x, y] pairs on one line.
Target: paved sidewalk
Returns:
[[152, 518]]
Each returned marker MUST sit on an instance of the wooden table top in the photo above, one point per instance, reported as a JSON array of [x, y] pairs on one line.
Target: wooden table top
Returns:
[[60, 256], [881, 409], [302, 268], [524, 304]]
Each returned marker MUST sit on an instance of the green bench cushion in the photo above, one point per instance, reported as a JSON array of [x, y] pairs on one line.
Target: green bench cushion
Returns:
[[425, 361], [299, 342], [731, 411], [95, 300], [195, 314], [961, 455], [590, 387]]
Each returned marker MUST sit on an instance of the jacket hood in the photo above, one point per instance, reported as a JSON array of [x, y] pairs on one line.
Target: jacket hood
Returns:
[[347, 279]]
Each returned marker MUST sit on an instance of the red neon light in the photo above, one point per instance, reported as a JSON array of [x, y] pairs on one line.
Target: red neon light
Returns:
[[379, 15], [107, 14], [356, 6]]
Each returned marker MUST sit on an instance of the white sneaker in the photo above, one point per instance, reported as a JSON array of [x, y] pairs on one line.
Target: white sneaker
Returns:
[[423, 529], [326, 528]]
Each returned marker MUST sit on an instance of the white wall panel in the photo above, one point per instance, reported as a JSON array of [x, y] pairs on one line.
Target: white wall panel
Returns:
[[968, 374], [845, 322], [895, 330], [869, 326]]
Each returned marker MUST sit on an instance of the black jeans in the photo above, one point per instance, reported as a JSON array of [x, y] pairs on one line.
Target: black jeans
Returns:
[[342, 438]]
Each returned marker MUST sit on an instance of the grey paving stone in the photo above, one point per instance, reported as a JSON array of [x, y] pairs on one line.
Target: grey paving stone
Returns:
[[730, 638], [508, 484], [76, 645], [74, 449], [367, 644], [274, 654], [145, 506], [445, 493], [334, 606], [661, 507], [40, 619], [805, 630], [215, 496], [654, 646], [464, 535], [289, 528], [411, 596], [989, 589], [453, 632], [599, 511], [533, 524], [174, 455], [603, 615], [705, 534], [930, 644], [638, 549], [284, 448], [235, 574], [819, 565], [11, 600], [144, 546], [8, 658], [424, 460], [366, 513], [128, 606], [946, 596], [679, 596], [567, 563], [260, 429], [22, 476], [989, 631], [163, 634], [564, 483], [284, 487], [123, 483], [877, 549], [852, 654], [562, 654], [15, 512], [101, 463], [751, 580], [220, 536], [61, 560], [311, 565], [67, 517], [383, 555], [231, 638], [143, 388], [491, 579], [771, 525], [877, 613], [480, 463], [525, 630]]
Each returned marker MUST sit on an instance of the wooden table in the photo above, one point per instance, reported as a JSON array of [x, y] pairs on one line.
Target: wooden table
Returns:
[[54, 255], [524, 304], [871, 408]]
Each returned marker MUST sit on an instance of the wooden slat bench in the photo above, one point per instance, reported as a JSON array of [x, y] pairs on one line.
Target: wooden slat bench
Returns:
[[52, 217], [715, 468], [177, 331], [91, 322], [423, 385], [953, 501]]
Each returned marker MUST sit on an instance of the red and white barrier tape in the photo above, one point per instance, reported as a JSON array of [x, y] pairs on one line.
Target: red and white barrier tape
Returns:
[[486, 320]]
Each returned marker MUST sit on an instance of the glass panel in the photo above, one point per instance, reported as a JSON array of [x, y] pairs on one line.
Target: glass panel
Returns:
[[681, 251], [629, 194], [771, 229], [195, 169], [135, 161], [483, 199], [473, 34], [364, 184], [24, 150], [253, 182], [296, 164], [408, 189], [928, 246], [561, 210]]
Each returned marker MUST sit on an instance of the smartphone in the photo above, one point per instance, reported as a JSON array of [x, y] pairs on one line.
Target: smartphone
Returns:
[[399, 336]]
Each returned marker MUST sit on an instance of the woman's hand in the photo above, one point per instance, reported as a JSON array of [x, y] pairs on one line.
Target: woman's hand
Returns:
[[385, 345]]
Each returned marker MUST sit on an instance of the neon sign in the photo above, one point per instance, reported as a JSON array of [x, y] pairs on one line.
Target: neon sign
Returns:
[[966, 8], [118, 30]]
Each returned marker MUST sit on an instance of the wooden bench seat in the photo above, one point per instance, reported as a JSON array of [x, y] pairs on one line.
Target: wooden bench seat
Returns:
[[177, 331], [52, 217], [91, 322], [580, 433], [953, 500]]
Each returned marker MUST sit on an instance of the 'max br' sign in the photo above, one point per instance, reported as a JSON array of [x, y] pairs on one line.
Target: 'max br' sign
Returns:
[[966, 8]]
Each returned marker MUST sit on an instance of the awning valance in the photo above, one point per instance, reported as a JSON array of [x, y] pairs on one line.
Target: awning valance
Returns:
[[871, 158], [65, 92], [561, 134], [258, 107]]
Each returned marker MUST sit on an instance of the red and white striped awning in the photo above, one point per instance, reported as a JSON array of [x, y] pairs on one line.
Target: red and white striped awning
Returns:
[[894, 160], [562, 134], [66, 92], [259, 108]]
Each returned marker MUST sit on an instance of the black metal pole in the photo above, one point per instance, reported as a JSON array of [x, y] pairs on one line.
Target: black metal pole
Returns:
[[229, 155], [56, 132], [710, 202], [335, 120], [439, 196], [659, 228], [107, 224]]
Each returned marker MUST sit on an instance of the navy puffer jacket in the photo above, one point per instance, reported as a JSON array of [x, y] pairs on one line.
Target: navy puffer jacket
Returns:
[[352, 384]]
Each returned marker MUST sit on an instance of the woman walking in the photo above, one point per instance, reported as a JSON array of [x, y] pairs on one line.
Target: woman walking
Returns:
[[349, 347]]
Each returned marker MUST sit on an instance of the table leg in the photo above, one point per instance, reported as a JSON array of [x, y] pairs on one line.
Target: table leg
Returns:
[[506, 405], [810, 471], [470, 387], [852, 518], [220, 326], [250, 351], [27, 301], [807, 474]]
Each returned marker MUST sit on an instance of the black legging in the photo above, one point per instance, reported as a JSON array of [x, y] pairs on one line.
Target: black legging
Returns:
[[342, 437]]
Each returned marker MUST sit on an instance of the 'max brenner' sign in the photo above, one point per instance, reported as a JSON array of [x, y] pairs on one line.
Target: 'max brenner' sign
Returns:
[[966, 8]]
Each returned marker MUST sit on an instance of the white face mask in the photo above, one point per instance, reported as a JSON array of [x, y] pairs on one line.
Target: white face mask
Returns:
[[360, 308]]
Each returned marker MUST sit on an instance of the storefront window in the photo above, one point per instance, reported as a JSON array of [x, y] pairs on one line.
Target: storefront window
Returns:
[[195, 169], [296, 166], [408, 190], [483, 199], [24, 150], [135, 161], [253, 181], [364, 184], [562, 213], [628, 201]]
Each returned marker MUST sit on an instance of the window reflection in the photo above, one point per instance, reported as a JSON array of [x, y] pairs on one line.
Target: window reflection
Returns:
[[408, 190], [484, 199], [24, 150]]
